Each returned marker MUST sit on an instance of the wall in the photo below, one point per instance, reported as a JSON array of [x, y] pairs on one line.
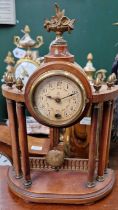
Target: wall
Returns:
[[93, 32]]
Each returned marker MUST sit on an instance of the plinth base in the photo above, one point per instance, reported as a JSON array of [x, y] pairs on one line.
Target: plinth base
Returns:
[[60, 187]]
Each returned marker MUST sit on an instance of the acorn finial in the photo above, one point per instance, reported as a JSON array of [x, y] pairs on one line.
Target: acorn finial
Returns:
[[90, 57], [9, 80], [9, 59], [26, 29], [89, 68], [19, 84], [97, 84], [111, 80], [9, 74], [101, 73]]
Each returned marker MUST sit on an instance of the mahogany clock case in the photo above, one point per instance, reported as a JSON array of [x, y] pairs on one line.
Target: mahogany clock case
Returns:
[[66, 67]]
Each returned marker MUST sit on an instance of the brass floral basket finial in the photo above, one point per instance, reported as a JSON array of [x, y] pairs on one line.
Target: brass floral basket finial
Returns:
[[59, 23]]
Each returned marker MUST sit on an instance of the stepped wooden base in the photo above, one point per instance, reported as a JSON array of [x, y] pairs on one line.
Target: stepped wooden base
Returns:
[[60, 187]]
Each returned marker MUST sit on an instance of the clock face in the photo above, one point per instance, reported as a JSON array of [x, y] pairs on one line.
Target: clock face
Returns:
[[24, 69], [58, 98]]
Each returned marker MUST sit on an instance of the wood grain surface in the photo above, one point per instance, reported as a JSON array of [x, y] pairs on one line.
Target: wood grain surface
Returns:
[[8, 201]]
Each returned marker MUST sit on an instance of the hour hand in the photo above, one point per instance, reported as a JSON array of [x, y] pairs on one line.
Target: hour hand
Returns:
[[56, 99], [50, 97]]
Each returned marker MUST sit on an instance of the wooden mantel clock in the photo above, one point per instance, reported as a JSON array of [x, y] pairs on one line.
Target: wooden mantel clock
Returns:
[[59, 95]]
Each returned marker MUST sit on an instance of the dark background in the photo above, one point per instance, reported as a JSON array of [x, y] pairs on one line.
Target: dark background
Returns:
[[93, 32]]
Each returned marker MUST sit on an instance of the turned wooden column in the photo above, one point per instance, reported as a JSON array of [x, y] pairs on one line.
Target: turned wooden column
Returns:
[[23, 143], [104, 139], [92, 146], [109, 135], [11, 108]]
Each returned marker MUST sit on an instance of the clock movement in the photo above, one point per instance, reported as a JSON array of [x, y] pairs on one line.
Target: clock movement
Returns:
[[59, 95]]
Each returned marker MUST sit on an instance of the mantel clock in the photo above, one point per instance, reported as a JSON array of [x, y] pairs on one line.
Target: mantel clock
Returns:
[[56, 95], [24, 68], [59, 95]]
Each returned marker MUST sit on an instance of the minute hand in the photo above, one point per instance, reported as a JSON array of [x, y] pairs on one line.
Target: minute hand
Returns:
[[69, 95]]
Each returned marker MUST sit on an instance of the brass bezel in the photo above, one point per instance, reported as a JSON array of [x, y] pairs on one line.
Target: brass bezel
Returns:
[[42, 118], [22, 60]]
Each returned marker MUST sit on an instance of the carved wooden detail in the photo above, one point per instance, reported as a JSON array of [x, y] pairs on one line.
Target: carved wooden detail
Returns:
[[73, 164]]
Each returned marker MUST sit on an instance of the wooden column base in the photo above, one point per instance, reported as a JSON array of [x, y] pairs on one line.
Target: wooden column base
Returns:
[[60, 187]]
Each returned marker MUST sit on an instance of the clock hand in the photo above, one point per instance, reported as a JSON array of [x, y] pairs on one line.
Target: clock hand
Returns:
[[50, 97], [69, 95], [24, 72], [58, 100]]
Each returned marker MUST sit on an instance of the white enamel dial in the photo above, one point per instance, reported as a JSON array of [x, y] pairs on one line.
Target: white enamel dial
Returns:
[[59, 98], [24, 69]]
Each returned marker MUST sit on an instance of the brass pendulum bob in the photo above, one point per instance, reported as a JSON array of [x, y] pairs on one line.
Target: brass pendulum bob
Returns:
[[55, 158], [19, 84]]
